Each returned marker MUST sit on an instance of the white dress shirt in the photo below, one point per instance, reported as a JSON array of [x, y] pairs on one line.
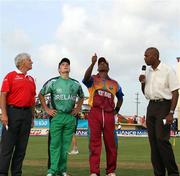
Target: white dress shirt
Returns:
[[160, 82]]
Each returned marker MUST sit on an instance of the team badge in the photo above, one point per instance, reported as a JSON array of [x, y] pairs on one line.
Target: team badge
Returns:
[[110, 87]]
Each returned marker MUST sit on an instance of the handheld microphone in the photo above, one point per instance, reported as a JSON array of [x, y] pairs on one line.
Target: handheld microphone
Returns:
[[6, 127], [165, 121], [143, 72]]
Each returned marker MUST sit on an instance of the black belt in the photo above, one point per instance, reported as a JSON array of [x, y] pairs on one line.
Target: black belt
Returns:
[[159, 100], [18, 107]]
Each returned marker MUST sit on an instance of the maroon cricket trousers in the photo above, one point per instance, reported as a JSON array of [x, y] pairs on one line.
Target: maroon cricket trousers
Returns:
[[102, 122]]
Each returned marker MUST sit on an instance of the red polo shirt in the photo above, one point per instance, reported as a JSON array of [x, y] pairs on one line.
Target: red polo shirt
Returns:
[[21, 89]]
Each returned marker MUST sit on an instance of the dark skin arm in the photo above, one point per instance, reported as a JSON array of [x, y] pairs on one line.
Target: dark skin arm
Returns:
[[88, 72], [142, 81], [175, 95], [118, 105]]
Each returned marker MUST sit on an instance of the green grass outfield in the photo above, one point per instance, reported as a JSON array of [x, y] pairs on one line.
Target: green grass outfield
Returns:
[[133, 157]]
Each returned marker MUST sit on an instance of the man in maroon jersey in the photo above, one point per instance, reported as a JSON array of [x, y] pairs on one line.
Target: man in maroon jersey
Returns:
[[102, 92], [17, 105]]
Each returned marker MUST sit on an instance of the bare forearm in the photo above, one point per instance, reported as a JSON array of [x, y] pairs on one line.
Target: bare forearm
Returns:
[[142, 80], [88, 73], [169, 117], [77, 109], [43, 101], [175, 96], [80, 102], [142, 87], [3, 103], [119, 103], [4, 118], [118, 106]]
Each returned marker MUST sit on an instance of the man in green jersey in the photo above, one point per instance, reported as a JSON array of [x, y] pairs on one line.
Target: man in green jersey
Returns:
[[64, 92]]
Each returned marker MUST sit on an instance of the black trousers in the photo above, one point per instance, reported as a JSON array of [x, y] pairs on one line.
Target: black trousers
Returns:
[[162, 155], [49, 141], [14, 140]]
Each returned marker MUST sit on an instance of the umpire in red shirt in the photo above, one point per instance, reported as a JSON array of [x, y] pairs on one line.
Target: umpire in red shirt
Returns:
[[17, 105]]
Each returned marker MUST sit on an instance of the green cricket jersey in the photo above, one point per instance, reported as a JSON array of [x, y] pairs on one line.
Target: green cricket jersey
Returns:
[[64, 93]]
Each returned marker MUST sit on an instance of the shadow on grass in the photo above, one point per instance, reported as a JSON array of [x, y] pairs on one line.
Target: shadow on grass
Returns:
[[42, 171]]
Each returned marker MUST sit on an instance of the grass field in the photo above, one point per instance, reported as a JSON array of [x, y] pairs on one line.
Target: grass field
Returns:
[[133, 157]]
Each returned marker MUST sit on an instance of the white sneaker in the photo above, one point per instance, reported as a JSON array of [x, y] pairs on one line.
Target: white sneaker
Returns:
[[111, 174], [74, 152], [50, 175], [65, 174], [93, 174]]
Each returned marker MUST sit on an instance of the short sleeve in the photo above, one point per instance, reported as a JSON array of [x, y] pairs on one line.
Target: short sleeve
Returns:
[[80, 92], [47, 87], [6, 84], [173, 80], [119, 93], [89, 83]]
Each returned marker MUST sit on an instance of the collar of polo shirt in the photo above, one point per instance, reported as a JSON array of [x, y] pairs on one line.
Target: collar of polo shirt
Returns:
[[18, 71]]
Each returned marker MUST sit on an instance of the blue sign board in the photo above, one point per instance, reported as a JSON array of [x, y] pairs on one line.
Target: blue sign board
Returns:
[[41, 123], [82, 124], [131, 132], [44, 123]]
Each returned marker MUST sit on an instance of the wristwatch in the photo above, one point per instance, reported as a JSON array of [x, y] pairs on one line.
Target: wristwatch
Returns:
[[171, 111]]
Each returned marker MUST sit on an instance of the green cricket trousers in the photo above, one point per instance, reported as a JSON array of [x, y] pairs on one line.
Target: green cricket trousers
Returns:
[[61, 131]]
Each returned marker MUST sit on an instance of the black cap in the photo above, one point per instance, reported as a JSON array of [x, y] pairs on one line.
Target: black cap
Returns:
[[102, 59], [64, 60]]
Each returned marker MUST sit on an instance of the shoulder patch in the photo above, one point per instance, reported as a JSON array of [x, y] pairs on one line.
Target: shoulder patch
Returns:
[[51, 80], [75, 81]]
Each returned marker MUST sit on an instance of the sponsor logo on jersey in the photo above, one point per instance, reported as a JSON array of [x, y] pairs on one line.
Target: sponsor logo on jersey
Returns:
[[104, 93], [18, 77], [65, 97], [59, 90], [111, 87]]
